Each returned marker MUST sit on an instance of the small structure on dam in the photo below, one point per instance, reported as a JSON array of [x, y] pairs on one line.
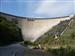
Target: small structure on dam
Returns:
[[32, 29]]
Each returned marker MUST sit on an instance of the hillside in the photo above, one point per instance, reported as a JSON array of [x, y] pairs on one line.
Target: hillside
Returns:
[[68, 37], [61, 34], [9, 32]]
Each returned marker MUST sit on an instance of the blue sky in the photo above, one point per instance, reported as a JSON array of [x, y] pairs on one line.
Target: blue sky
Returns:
[[38, 8]]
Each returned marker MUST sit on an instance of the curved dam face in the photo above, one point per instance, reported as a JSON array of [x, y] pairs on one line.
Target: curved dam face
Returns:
[[32, 30]]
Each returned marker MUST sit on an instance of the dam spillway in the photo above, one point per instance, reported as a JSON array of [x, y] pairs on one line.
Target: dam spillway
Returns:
[[33, 29]]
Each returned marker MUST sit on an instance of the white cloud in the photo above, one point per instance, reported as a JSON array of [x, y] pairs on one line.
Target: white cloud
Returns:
[[44, 6], [50, 8]]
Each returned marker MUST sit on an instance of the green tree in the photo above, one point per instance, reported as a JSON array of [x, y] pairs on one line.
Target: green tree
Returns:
[[9, 32]]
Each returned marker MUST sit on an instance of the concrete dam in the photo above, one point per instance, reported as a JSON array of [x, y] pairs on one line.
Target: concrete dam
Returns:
[[33, 29]]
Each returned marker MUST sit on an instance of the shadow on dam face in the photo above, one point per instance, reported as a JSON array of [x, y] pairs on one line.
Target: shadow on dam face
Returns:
[[32, 30]]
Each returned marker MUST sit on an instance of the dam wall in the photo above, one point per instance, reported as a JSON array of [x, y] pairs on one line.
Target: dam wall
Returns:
[[32, 30]]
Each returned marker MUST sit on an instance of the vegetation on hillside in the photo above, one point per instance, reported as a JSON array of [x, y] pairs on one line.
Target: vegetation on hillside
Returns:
[[64, 44], [9, 32], [67, 38], [62, 51]]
